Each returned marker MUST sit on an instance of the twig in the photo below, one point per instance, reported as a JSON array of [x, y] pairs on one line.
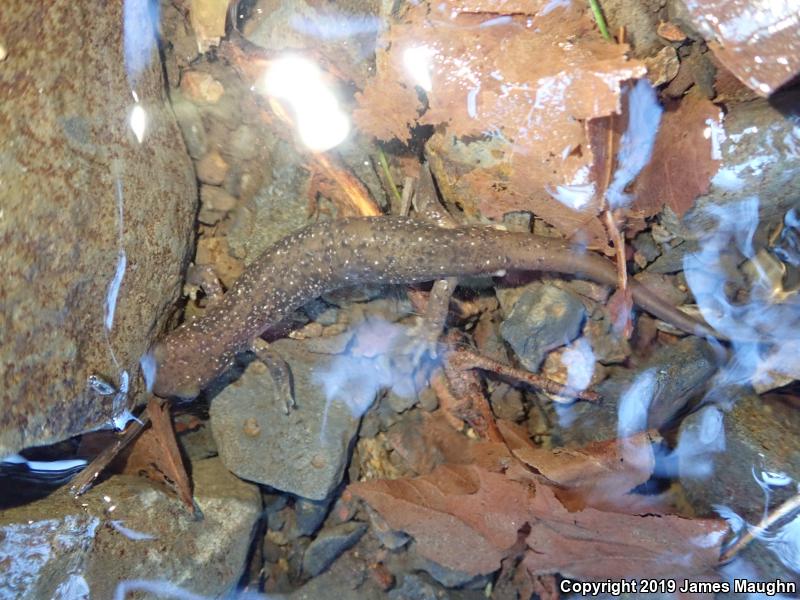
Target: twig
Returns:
[[600, 19], [749, 535], [388, 173], [405, 200], [621, 309], [86, 478], [619, 245]]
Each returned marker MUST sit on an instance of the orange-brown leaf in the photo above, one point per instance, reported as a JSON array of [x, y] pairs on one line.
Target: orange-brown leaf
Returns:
[[521, 84], [601, 472], [596, 545], [469, 519], [685, 157], [156, 455], [462, 517]]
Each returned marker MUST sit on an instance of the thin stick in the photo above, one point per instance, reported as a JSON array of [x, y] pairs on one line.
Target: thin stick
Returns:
[[86, 478], [600, 19], [405, 200], [776, 515], [619, 245], [388, 173]]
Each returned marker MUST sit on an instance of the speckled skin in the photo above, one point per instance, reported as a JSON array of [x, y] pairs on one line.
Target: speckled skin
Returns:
[[331, 255]]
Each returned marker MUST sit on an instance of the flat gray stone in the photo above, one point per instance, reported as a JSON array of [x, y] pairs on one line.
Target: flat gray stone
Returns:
[[309, 515], [69, 549], [543, 318], [305, 452], [278, 208], [648, 396], [413, 587], [760, 159], [329, 544]]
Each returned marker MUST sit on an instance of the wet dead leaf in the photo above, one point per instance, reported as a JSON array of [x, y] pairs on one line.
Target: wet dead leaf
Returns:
[[760, 44], [388, 108], [608, 469], [487, 504], [685, 157], [426, 441], [499, 7], [155, 454], [461, 516], [469, 519], [596, 545], [520, 84]]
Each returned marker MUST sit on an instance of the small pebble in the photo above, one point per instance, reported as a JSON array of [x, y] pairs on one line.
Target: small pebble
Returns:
[[670, 32], [382, 576], [329, 544], [251, 427], [216, 199], [3, 52], [212, 168], [311, 330], [663, 67], [201, 87]]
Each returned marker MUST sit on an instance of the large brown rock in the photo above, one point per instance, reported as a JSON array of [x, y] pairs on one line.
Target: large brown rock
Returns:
[[70, 163]]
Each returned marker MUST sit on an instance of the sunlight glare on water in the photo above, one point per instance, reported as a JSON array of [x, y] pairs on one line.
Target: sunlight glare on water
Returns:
[[321, 123]]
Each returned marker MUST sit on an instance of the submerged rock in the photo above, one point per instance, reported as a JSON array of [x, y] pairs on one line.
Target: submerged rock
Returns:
[[329, 544], [305, 452], [647, 397], [126, 529], [760, 155], [544, 318], [744, 462], [97, 214]]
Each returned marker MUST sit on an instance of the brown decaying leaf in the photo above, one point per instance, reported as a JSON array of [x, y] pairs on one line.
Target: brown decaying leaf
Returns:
[[616, 466], [393, 119], [683, 161], [526, 81], [155, 454], [600, 474], [471, 511], [759, 43], [499, 7], [461, 516], [466, 518], [595, 545]]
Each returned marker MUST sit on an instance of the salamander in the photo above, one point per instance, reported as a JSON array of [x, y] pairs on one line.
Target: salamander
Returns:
[[335, 254]]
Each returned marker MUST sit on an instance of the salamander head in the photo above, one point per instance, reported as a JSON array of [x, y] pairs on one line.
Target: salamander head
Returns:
[[173, 369]]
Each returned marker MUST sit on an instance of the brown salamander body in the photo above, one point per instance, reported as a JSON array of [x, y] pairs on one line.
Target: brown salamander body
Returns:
[[326, 256]]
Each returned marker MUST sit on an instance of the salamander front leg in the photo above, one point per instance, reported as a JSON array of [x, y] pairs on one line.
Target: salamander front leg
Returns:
[[279, 370]]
